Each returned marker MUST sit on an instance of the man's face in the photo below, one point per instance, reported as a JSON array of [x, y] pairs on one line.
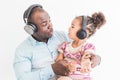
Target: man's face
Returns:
[[44, 26]]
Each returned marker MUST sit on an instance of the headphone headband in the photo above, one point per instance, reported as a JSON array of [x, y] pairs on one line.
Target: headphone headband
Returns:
[[30, 28], [28, 11], [81, 34], [84, 22]]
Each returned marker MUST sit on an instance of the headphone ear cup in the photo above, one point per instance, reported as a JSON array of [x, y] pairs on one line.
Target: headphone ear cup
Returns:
[[30, 28], [81, 34]]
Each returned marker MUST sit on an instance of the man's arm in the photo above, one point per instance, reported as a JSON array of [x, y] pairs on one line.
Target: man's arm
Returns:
[[23, 69]]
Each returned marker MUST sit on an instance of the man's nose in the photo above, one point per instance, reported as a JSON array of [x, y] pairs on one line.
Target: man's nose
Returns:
[[49, 25]]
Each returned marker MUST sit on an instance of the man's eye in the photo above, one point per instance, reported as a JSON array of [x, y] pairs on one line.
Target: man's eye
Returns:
[[44, 24]]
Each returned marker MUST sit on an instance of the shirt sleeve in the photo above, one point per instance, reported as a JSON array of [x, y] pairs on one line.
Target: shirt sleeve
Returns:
[[89, 48], [61, 47], [23, 68]]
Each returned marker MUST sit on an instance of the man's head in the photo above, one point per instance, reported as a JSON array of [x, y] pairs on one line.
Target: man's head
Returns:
[[39, 22]]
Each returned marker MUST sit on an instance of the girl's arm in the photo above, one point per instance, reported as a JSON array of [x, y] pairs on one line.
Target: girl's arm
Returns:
[[60, 57], [61, 49], [86, 63]]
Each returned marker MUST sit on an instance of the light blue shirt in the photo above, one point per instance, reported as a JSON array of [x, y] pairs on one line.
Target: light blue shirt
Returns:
[[33, 59]]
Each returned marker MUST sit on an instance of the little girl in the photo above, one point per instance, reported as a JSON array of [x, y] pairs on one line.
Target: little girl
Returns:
[[78, 51]]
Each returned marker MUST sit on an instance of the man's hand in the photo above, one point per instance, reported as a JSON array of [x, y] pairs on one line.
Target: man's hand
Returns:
[[61, 67], [95, 59]]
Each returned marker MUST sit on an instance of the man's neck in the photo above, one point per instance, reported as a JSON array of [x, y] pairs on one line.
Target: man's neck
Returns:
[[41, 39]]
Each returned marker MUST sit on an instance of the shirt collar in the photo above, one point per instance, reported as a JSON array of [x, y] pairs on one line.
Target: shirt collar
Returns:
[[35, 42]]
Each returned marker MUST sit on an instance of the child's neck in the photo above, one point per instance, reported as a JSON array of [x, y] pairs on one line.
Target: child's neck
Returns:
[[77, 43]]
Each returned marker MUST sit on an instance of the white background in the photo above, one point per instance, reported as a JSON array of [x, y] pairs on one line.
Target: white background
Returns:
[[62, 12]]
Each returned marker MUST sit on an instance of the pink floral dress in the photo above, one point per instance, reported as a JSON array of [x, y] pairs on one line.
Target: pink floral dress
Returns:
[[76, 55]]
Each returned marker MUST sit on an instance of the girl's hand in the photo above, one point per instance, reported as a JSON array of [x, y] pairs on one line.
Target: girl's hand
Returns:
[[85, 70], [85, 66], [72, 66]]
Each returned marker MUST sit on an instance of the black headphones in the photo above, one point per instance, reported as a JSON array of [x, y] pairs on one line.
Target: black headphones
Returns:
[[82, 34], [30, 28]]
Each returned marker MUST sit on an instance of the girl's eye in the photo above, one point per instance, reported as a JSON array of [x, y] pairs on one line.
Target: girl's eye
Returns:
[[72, 27]]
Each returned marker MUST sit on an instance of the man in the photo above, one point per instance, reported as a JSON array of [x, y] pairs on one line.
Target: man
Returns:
[[34, 58]]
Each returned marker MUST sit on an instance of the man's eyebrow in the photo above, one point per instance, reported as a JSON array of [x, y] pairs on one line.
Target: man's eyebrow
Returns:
[[44, 18]]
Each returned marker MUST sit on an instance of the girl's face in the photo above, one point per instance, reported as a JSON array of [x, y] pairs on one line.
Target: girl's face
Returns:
[[73, 29]]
